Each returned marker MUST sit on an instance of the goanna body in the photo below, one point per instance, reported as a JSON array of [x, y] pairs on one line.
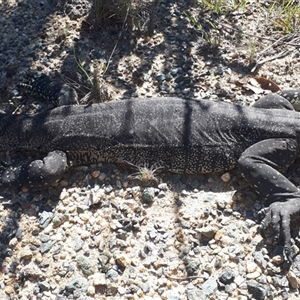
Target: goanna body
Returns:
[[192, 136]]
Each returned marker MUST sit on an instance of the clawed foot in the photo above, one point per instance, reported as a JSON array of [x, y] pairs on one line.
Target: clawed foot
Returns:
[[278, 217]]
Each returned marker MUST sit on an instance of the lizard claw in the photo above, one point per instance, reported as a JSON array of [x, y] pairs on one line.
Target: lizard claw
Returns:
[[277, 217]]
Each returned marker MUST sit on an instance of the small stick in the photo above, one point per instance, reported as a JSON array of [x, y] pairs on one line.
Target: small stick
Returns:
[[260, 37], [279, 55]]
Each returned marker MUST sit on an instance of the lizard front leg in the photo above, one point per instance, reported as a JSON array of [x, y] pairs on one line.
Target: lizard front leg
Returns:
[[286, 99], [273, 101], [260, 165], [38, 172]]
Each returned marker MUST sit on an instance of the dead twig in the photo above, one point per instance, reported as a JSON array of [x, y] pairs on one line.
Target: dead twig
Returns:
[[259, 37], [271, 46], [279, 55], [117, 42]]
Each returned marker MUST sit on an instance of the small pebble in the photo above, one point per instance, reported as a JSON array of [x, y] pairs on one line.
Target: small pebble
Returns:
[[226, 177]]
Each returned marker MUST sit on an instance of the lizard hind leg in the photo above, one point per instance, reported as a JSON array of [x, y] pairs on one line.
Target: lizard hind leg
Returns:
[[37, 173], [260, 165], [261, 162]]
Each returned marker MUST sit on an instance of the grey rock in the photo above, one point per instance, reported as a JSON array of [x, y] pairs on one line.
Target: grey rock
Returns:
[[44, 238], [44, 286], [112, 275], [20, 233], [259, 259], [185, 193], [57, 250], [163, 186], [179, 62], [284, 282], [179, 79], [209, 287], [153, 234], [104, 258], [175, 71], [169, 77], [192, 266], [227, 276], [195, 183], [59, 219], [197, 250], [45, 218], [219, 70], [276, 281], [262, 279], [161, 77], [279, 281], [78, 283], [161, 194], [45, 247], [148, 248], [194, 294], [133, 288], [148, 195], [257, 290], [221, 202], [78, 243], [112, 243], [32, 271], [164, 88], [186, 91], [186, 81], [184, 250], [82, 208], [285, 295], [86, 265]]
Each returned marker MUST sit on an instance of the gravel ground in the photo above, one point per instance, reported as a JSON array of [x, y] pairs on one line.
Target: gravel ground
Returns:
[[100, 233]]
